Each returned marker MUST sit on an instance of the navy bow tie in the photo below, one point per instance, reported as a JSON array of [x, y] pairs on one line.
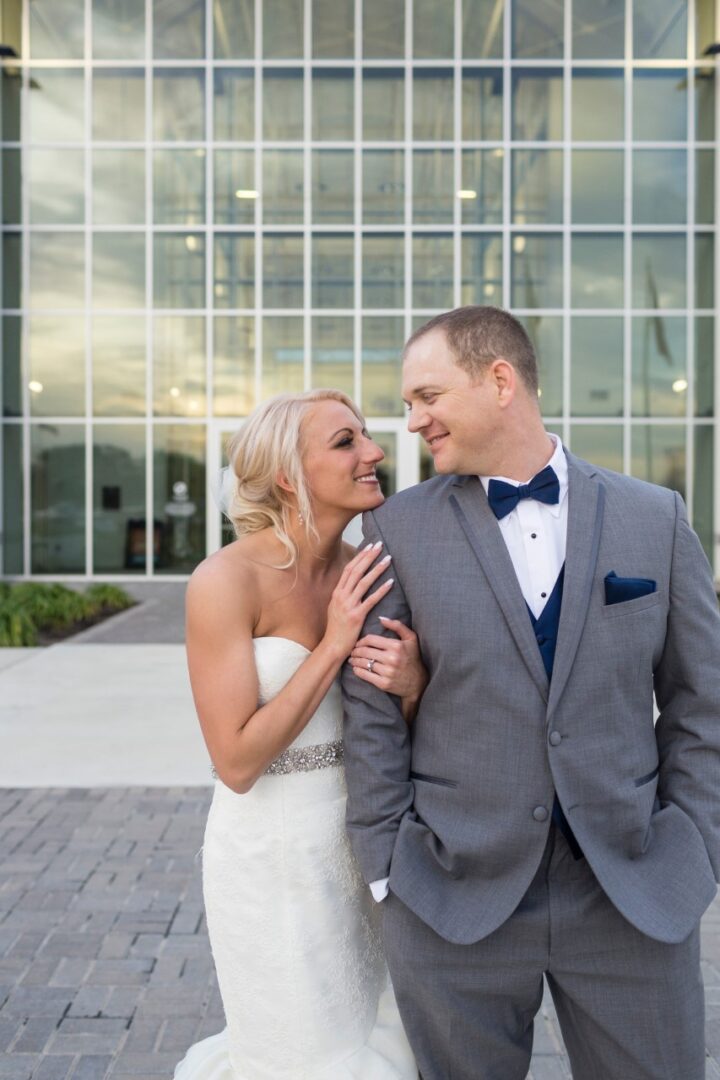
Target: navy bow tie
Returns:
[[503, 498]]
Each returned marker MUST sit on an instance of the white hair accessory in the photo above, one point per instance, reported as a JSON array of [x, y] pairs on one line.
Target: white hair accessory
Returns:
[[222, 488]]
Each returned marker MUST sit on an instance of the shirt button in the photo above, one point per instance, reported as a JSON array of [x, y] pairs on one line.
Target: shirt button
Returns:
[[541, 640], [555, 738], [540, 813], [533, 536], [543, 594]]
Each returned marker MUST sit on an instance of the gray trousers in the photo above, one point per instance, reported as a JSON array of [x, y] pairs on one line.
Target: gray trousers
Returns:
[[630, 1008]]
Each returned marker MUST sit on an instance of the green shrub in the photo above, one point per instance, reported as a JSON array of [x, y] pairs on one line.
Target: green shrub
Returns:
[[31, 607]]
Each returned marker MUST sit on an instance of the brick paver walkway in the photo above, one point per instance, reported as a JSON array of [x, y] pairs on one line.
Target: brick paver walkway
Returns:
[[105, 969]]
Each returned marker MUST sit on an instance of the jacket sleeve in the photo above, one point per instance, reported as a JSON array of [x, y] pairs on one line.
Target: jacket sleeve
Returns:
[[377, 745], [687, 690]]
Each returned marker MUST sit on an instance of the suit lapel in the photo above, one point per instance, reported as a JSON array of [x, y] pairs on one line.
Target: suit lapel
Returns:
[[586, 499], [470, 506]]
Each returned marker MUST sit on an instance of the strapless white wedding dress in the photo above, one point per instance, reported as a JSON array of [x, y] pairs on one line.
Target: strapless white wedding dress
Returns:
[[292, 926]]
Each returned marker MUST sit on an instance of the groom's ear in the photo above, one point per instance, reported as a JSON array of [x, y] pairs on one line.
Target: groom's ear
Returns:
[[504, 379]]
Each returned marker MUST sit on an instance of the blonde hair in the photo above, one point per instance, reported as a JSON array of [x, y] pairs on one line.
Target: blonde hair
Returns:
[[270, 442]]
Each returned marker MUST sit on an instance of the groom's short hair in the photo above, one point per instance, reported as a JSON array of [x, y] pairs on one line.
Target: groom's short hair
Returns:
[[478, 334]]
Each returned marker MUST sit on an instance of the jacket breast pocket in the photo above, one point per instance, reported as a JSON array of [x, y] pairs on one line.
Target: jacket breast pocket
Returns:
[[425, 778], [629, 607]]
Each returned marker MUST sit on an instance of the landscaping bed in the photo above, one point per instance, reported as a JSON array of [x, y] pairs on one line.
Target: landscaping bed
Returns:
[[35, 613]]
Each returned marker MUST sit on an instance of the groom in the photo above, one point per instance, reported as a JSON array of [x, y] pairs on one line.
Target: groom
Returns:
[[532, 821]]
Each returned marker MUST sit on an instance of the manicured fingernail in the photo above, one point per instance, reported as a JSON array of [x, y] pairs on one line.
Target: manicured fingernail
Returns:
[[367, 547], [385, 560], [390, 581], [378, 543], [383, 618]]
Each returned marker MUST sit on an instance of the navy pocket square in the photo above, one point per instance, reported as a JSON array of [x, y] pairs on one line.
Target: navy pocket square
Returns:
[[620, 589]]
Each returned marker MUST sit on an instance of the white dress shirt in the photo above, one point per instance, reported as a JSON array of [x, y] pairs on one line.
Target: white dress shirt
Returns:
[[535, 535]]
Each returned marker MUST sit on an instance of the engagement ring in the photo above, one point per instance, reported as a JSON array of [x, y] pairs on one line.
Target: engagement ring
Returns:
[[370, 664]]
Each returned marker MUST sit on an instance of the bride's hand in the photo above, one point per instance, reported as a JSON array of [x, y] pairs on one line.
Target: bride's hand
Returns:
[[349, 604], [396, 664]]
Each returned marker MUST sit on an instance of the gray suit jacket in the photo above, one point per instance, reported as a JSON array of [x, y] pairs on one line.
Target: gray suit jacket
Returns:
[[456, 810]]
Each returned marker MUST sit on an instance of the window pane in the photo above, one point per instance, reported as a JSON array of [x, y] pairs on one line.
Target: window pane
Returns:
[[383, 29], [433, 26], [704, 187], [333, 29], [179, 499], [537, 185], [179, 29], [333, 97], [383, 262], [705, 104], [57, 500], [333, 186], [118, 187], [179, 365], [383, 104], [57, 270], [56, 348], [596, 36], [704, 25], [596, 373], [432, 272], [660, 187], [179, 270], [703, 483], [659, 370], [57, 29], [11, 270], [482, 178], [545, 332], [537, 270], [704, 366], [235, 192], [596, 274], [10, 89], [704, 270], [598, 104], [537, 104], [11, 368], [481, 269], [118, 29], [283, 352], [283, 104], [118, 364], [282, 28], [118, 104], [118, 270], [598, 186], [658, 454], [600, 443], [234, 26], [482, 29], [234, 104], [179, 104], [56, 186], [433, 187], [332, 271], [10, 164], [432, 104], [383, 186], [660, 30], [482, 105], [234, 271], [659, 271], [56, 106], [332, 352], [660, 105], [537, 28], [234, 365], [118, 498], [179, 187], [283, 275], [282, 186], [12, 499], [382, 344]]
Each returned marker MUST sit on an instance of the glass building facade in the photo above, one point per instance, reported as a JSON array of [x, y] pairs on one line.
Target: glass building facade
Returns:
[[205, 202]]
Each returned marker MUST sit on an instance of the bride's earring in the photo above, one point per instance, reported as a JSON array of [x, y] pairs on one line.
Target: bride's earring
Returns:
[[301, 519]]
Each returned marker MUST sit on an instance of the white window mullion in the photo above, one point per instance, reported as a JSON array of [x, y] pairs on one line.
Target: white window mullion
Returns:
[[627, 241], [149, 299]]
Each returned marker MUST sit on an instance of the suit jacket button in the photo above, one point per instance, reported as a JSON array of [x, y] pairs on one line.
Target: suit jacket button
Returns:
[[555, 738], [540, 813]]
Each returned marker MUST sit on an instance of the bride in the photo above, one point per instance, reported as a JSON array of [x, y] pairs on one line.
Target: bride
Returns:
[[271, 618]]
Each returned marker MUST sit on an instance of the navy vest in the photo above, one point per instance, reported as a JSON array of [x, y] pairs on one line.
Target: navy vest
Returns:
[[546, 632]]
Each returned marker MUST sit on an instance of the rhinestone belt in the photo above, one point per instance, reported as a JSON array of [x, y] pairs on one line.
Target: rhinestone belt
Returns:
[[305, 759]]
